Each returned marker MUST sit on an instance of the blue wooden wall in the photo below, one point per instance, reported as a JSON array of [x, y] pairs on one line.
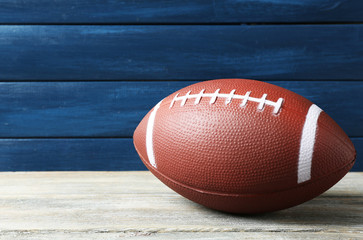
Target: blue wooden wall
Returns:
[[77, 76]]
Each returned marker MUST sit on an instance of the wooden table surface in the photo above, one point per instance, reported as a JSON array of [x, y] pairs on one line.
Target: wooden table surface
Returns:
[[135, 205]]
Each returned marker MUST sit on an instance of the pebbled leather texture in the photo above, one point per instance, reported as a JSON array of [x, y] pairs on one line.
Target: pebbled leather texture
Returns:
[[218, 154]]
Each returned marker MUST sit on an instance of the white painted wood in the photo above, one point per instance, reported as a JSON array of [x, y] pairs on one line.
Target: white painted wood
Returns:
[[112, 205]]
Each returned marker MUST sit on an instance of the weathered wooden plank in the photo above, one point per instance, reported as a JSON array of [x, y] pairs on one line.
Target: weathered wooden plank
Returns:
[[84, 154], [113, 109], [178, 11], [142, 235], [79, 205], [181, 52]]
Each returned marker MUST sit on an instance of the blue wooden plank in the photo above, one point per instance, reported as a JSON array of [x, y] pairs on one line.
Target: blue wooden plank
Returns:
[[83, 155], [358, 144], [181, 52], [68, 154], [113, 109], [179, 11]]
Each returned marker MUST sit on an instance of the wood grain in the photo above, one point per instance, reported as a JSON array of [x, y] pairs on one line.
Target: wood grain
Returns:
[[140, 235], [179, 11], [84, 154], [112, 205], [172, 52], [114, 109]]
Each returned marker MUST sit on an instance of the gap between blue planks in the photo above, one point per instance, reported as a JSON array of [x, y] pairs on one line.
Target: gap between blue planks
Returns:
[[179, 11], [113, 109], [84, 155], [273, 52]]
